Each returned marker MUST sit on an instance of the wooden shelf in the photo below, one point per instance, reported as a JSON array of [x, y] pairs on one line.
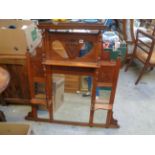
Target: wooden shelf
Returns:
[[39, 101], [107, 63], [103, 106], [102, 101], [68, 63], [103, 84]]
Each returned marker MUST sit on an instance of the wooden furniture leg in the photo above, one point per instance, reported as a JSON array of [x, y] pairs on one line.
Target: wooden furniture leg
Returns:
[[131, 60], [110, 121], [140, 75], [143, 52], [2, 117], [33, 113]]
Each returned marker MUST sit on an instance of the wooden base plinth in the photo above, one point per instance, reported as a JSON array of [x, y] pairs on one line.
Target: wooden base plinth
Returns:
[[113, 123]]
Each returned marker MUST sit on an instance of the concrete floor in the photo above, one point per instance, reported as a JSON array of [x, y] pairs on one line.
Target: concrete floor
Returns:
[[134, 109]]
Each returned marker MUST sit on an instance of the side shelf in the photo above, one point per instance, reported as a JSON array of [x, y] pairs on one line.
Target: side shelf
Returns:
[[107, 78]]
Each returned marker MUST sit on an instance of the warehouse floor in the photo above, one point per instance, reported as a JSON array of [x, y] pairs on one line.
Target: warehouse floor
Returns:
[[134, 109]]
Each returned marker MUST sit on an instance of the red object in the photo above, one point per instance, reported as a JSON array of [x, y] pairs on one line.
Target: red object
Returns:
[[106, 45], [105, 55]]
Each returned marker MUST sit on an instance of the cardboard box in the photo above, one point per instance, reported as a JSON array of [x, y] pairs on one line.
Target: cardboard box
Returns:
[[58, 93], [18, 36], [14, 129]]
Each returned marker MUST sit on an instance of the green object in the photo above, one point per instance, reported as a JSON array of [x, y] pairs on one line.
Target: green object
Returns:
[[34, 34], [120, 52], [106, 88]]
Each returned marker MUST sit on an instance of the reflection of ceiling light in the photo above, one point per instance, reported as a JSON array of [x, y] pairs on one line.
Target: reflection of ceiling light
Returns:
[[24, 27]]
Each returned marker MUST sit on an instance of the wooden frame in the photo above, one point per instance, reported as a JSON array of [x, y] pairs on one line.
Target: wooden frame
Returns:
[[52, 63], [125, 26], [149, 51]]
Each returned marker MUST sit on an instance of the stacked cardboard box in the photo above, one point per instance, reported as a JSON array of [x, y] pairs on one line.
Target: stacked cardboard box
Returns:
[[18, 37]]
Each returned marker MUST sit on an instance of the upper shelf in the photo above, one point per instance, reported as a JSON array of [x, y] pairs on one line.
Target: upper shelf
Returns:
[[68, 63], [71, 25]]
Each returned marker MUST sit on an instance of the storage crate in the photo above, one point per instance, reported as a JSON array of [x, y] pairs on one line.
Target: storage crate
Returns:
[[14, 129]]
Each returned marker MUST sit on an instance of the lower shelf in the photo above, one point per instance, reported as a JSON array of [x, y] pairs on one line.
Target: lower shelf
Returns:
[[103, 106]]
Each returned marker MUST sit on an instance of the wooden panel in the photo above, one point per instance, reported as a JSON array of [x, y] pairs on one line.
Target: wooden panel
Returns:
[[72, 83], [18, 86], [18, 89]]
